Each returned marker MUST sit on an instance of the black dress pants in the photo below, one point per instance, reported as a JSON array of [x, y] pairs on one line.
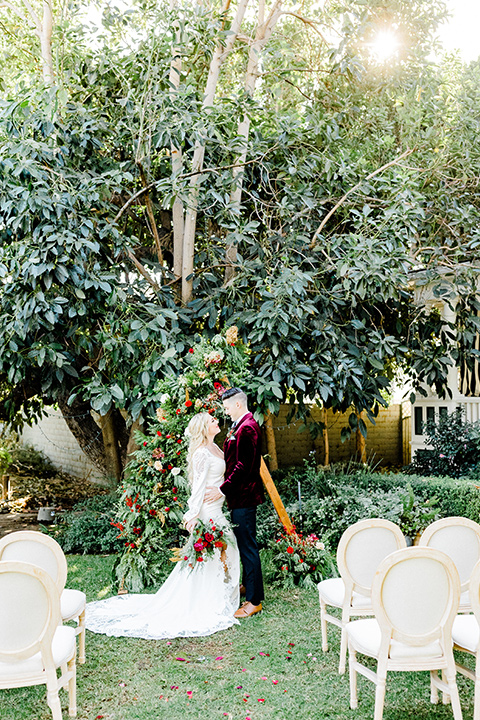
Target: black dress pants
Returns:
[[245, 527]]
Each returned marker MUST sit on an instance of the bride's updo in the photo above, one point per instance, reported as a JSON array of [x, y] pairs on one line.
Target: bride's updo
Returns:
[[197, 434]]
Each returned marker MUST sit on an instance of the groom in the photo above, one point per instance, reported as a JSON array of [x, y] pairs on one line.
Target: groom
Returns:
[[243, 489]]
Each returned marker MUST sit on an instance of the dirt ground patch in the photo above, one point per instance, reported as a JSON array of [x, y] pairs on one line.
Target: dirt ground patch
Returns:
[[11, 522]]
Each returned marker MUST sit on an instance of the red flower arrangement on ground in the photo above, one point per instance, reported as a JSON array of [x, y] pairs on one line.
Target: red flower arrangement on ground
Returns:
[[300, 560]]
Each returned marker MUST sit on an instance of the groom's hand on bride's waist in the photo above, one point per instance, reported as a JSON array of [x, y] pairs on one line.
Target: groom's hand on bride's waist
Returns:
[[212, 494]]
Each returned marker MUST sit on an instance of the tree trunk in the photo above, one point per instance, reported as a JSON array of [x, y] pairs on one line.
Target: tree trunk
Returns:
[[178, 216], [361, 444], [219, 56], [262, 35], [111, 446], [85, 430], [46, 42], [326, 444], [271, 443]]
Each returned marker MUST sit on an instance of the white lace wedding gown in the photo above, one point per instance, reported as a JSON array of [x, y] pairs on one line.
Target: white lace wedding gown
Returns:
[[190, 603]]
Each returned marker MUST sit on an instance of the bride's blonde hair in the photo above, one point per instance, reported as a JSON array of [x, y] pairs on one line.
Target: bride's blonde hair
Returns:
[[197, 434]]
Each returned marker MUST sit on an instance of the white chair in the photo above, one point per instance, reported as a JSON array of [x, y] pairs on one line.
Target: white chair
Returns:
[[42, 550], [459, 538], [415, 596], [466, 637], [33, 643], [360, 550]]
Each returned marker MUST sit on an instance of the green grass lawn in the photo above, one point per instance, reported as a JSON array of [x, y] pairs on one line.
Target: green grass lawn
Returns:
[[271, 666]]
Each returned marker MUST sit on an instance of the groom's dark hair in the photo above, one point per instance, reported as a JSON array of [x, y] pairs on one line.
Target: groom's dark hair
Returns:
[[232, 392]]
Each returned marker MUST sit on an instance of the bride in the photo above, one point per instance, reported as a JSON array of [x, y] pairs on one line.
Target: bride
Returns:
[[191, 602]]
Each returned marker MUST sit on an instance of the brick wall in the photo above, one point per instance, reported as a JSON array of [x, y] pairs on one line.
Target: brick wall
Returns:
[[53, 437], [386, 442]]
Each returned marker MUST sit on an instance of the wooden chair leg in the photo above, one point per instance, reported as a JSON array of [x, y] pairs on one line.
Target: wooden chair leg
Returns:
[[476, 702], [323, 625], [353, 678], [445, 696], [433, 687], [72, 688], [343, 651], [379, 698], [81, 638], [54, 703], [456, 708]]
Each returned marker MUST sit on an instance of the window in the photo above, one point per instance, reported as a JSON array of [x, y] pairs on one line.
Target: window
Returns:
[[418, 423]]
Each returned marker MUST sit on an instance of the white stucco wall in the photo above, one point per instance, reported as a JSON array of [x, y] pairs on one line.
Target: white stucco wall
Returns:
[[53, 437]]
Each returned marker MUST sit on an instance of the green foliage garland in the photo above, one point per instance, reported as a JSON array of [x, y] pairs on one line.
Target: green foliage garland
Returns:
[[155, 491]]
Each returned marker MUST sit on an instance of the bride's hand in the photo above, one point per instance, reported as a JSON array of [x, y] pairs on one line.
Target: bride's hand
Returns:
[[212, 494], [190, 525]]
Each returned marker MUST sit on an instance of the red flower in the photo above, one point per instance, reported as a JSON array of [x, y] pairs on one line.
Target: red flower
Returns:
[[144, 443], [159, 433], [188, 403], [168, 436], [179, 452], [180, 439], [175, 498], [208, 537], [174, 489], [132, 545], [186, 557], [190, 350], [290, 550], [170, 467], [219, 544], [129, 501], [152, 512], [167, 509], [178, 411], [199, 559], [217, 385]]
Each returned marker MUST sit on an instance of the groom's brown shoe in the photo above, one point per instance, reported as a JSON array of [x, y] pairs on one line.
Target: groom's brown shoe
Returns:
[[243, 590], [247, 610]]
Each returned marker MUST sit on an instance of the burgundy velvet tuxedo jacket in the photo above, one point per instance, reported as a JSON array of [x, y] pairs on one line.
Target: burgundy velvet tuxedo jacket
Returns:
[[243, 486]]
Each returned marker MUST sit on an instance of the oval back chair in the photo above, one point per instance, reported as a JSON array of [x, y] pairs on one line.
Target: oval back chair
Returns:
[[415, 596], [361, 548], [33, 644], [42, 550]]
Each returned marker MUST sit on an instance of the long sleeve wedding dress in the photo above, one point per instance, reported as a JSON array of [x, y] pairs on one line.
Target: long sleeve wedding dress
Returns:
[[191, 602]]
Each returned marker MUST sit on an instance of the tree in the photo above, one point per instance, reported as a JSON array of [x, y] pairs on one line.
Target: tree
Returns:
[[316, 196]]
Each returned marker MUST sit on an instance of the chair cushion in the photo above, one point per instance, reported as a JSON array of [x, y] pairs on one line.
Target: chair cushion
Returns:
[[63, 648], [72, 602], [465, 632], [366, 636], [332, 591]]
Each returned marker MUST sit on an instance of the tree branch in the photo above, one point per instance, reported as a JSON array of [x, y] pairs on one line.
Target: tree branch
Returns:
[[183, 176], [327, 217], [12, 8], [142, 270]]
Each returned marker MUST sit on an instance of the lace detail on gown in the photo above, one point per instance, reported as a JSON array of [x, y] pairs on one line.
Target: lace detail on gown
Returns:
[[190, 603]]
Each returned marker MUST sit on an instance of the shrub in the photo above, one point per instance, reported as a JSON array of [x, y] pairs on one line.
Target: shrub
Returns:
[[87, 528], [355, 493], [454, 447]]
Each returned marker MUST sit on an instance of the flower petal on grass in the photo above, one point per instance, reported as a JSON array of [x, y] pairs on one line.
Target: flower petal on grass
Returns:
[[181, 659], [220, 657], [275, 682]]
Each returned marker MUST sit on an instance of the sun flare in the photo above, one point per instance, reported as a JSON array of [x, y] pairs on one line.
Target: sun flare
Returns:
[[384, 46]]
